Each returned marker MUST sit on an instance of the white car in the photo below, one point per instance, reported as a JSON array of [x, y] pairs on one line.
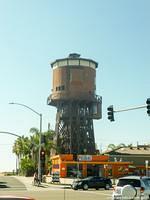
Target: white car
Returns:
[[132, 188]]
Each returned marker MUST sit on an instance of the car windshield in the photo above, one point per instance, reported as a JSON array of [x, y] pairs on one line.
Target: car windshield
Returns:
[[133, 182], [88, 178]]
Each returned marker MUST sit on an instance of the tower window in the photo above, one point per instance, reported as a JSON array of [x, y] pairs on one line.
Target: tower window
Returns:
[[60, 88]]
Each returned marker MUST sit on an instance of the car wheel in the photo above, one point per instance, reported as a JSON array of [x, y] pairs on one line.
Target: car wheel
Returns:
[[85, 187], [75, 188], [107, 187]]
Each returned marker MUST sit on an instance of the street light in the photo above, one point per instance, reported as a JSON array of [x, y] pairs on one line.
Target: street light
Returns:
[[40, 115]]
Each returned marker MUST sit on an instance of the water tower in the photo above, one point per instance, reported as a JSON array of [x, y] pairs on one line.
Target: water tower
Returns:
[[74, 96]]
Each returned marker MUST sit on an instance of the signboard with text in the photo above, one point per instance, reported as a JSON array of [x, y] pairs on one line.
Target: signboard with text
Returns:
[[85, 158]]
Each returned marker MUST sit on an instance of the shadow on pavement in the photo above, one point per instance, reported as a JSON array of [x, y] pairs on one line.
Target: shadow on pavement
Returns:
[[3, 184]]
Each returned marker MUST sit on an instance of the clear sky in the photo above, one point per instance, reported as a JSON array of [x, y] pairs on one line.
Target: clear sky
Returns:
[[114, 33]]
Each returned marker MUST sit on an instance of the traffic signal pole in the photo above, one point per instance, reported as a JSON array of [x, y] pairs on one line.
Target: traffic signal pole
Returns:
[[131, 108], [111, 110]]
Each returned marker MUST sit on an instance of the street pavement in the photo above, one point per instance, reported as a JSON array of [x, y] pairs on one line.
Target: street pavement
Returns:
[[49, 191], [9, 183], [65, 183], [27, 181]]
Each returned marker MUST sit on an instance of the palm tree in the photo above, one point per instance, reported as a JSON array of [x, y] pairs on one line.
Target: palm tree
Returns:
[[17, 150], [27, 149], [34, 141], [47, 144], [21, 148]]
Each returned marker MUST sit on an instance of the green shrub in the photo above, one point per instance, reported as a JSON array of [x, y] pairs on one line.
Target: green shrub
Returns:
[[27, 166]]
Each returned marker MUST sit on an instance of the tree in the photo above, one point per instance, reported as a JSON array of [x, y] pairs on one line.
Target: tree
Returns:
[[27, 149], [121, 145], [27, 166], [34, 141], [47, 145], [21, 148], [113, 146]]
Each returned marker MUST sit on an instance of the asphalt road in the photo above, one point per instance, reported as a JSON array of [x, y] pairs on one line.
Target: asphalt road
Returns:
[[8, 183], [13, 186]]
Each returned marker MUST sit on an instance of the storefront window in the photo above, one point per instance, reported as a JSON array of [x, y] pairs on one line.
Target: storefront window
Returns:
[[74, 170], [93, 170]]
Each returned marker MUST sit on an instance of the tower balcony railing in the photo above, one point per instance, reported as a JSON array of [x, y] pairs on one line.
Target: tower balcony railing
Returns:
[[84, 96]]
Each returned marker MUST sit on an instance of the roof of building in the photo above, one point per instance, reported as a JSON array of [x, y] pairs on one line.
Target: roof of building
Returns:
[[136, 150], [74, 56]]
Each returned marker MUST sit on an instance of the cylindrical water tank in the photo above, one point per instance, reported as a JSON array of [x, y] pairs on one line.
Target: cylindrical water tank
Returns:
[[74, 78]]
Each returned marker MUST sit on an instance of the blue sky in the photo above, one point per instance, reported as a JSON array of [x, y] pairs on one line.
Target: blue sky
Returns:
[[114, 33]]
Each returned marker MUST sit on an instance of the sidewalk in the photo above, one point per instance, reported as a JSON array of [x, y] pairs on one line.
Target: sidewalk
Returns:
[[27, 181]]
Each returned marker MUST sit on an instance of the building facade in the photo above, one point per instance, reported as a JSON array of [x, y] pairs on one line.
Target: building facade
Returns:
[[66, 165], [138, 155]]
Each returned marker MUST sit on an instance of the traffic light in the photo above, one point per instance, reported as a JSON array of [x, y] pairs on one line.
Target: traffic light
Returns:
[[110, 113], [148, 106], [42, 155], [43, 139]]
